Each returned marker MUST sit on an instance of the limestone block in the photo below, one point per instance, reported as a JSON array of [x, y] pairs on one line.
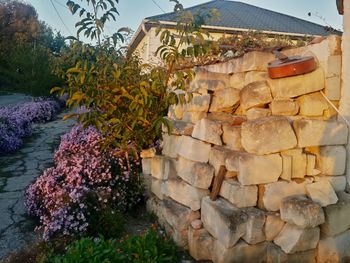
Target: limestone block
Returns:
[[200, 243], [276, 254], [254, 233], [197, 174], [286, 167], [178, 216], [255, 169], [257, 113], [337, 216], [218, 156], [334, 249], [227, 118], [255, 94], [206, 80], [313, 104], [333, 88], [231, 136], [334, 66], [147, 184], [322, 193], [225, 100], [320, 133], [239, 195], [331, 160], [157, 188], [170, 145], [180, 237], [295, 86], [224, 221], [193, 117], [193, 149], [257, 135], [286, 107], [185, 194], [148, 153], [163, 168], [241, 252], [237, 80], [253, 76], [299, 162], [273, 225], [178, 127], [294, 239], [311, 165], [197, 224], [146, 166], [208, 131], [301, 211], [176, 112], [198, 103], [256, 60], [271, 195], [338, 182]]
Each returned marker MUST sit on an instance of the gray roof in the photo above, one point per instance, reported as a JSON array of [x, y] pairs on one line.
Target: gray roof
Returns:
[[244, 16]]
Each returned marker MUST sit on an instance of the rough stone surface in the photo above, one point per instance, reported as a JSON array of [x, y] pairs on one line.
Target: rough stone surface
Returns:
[[223, 221], [285, 107], [200, 244], [225, 100], [163, 168], [148, 153], [227, 118], [338, 182], [276, 254], [337, 216], [178, 127], [287, 165], [208, 131], [193, 149], [273, 225], [198, 103], [295, 86], [185, 194], [255, 169], [294, 239], [157, 188], [301, 211], [253, 76], [331, 160], [255, 94], [218, 156], [319, 133], [232, 136], [146, 165], [256, 135], [257, 113], [334, 249], [193, 117], [237, 80], [176, 112], [299, 162], [170, 145], [271, 195], [313, 104], [197, 174], [197, 224], [322, 193], [255, 226], [311, 165], [241, 252], [239, 195], [256, 61], [206, 80]]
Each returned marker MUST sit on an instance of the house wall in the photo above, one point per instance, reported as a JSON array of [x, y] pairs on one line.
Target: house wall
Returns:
[[281, 150]]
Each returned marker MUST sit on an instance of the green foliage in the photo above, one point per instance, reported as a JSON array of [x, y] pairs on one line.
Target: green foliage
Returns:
[[150, 247]]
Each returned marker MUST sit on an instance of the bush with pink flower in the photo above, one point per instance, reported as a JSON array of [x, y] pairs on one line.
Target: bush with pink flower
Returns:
[[86, 183]]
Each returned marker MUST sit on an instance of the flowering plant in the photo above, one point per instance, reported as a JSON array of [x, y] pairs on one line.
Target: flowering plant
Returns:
[[16, 121], [86, 181]]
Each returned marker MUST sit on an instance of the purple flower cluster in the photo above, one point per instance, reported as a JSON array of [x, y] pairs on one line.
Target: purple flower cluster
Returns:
[[16, 121], [86, 178]]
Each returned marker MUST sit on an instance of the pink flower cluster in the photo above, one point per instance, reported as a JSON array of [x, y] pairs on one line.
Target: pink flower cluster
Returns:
[[85, 179]]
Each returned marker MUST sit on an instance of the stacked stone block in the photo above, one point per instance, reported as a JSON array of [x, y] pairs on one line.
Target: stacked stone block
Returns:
[[283, 198]]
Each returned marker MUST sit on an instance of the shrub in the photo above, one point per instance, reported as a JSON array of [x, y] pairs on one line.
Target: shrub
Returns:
[[86, 187], [16, 121], [147, 248]]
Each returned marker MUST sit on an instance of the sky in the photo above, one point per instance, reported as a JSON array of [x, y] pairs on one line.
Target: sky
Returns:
[[132, 12]]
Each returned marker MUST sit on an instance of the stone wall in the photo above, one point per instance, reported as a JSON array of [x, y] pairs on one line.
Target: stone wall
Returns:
[[284, 196]]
